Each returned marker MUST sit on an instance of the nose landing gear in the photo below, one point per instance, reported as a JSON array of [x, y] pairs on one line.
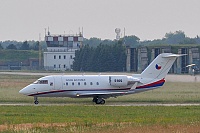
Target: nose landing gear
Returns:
[[36, 100]]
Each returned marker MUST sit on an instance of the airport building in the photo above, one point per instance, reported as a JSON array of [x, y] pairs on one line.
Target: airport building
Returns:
[[61, 51], [138, 58]]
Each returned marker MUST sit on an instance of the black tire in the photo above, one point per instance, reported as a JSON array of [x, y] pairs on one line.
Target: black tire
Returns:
[[103, 101], [97, 102], [36, 102], [95, 99]]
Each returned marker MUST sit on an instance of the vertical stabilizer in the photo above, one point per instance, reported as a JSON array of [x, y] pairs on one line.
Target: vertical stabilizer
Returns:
[[160, 66]]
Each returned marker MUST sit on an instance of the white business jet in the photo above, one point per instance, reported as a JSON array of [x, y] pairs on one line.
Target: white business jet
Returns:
[[101, 87]]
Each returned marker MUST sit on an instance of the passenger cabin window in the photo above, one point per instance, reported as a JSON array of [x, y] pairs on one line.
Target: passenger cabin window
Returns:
[[97, 83], [91, 83], [85, 83], [79, 83], [72, 83]]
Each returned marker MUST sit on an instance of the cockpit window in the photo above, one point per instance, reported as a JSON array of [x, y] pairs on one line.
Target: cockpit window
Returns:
[[41, 82], [36, 82]]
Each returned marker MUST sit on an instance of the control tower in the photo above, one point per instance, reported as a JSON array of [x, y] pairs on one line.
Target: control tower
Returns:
[[61, 50]]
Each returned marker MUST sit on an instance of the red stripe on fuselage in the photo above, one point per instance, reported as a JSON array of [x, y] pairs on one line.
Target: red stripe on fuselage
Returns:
[[154, 84]]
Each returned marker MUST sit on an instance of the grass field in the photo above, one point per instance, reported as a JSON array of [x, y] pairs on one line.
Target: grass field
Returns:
[[171, 92], [97, 118], [84, 116]]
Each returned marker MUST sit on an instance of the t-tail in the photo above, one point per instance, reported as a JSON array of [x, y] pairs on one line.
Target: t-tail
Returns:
[[154, 75]]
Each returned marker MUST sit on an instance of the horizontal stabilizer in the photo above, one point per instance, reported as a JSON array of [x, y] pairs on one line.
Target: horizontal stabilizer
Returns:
[[173, 55]]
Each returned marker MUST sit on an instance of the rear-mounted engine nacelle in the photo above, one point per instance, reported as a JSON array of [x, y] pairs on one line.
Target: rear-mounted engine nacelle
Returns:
[[118, 81]]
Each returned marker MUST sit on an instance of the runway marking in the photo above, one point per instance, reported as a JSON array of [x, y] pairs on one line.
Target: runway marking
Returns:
[[109, 104]]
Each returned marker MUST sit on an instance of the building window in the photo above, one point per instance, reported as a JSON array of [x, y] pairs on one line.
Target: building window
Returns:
[[72, 83], [79, 83], [59, 65], [54, 66], [66, 83], [64, 56], [54, 57], [71, 57], [64, 66], [84, 83], [59, 57]]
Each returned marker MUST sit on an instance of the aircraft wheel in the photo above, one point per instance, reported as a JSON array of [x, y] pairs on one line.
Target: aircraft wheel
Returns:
[[103, 101], [100, 101], [97, 102], [95, 99], [36, 102]]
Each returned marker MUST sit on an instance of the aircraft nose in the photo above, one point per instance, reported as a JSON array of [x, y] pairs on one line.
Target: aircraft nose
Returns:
[[24, 91]]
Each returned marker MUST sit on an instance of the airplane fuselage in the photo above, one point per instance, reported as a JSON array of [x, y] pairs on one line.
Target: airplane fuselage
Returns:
[[87, 86]]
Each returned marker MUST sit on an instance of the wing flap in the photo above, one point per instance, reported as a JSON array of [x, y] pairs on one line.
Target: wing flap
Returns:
[[102, 94]]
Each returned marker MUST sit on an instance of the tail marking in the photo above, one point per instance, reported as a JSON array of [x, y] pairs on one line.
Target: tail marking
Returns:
[[158, 67], [152, 85]]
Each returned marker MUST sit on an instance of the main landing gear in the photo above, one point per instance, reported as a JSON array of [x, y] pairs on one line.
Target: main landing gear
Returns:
[[36, 100], [98, 100]]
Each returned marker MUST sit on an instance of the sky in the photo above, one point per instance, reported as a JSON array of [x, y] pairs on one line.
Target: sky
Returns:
[[147, 19]]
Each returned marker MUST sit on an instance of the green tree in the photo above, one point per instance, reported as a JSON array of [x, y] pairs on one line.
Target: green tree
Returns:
[[36, 46], [1, 46], [197, 39], [25, 46], [175, 38], [188, 40], [131, 40], [100, 59], [11, 46], [92, 42]]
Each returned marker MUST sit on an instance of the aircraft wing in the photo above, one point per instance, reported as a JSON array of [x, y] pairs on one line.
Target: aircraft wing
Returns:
[[106, 94], [103, 94]]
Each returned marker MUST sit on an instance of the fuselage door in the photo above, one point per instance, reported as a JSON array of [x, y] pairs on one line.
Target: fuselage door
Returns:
[[51, 83], [58, 82]]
